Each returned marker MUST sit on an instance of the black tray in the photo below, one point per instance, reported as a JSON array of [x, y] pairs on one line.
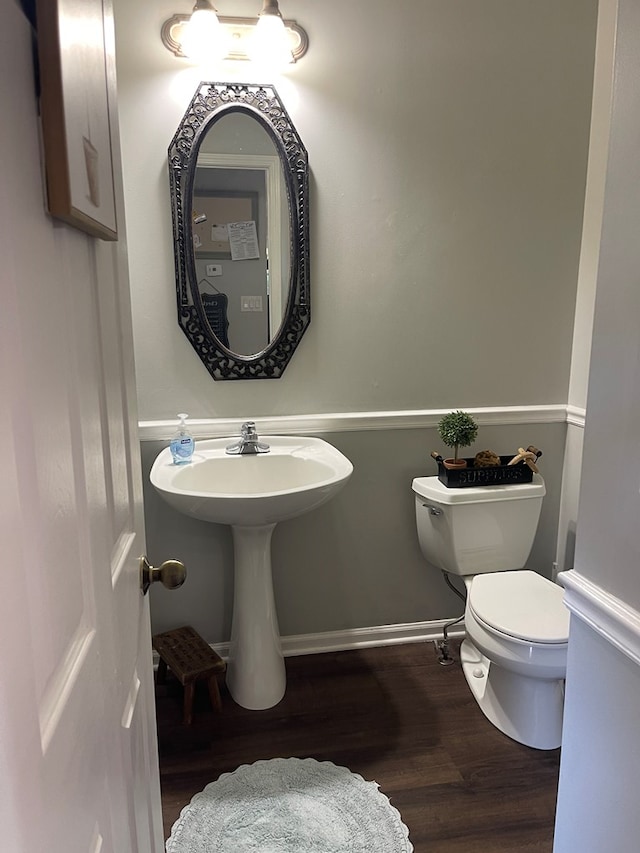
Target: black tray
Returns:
[[498, 475]]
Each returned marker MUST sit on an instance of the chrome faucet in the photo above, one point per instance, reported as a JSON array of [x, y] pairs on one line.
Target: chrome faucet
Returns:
[[249, 443]]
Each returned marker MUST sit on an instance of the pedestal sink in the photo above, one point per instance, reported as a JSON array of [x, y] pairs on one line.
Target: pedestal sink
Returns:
[[252, 494]]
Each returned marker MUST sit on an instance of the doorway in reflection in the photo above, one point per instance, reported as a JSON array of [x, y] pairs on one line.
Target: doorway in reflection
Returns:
[[230, 255]]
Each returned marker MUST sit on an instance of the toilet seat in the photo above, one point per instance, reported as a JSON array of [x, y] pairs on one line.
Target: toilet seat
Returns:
[[520, 604]]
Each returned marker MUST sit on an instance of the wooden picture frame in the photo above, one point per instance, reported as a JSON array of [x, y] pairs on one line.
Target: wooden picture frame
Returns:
[[77, 93]]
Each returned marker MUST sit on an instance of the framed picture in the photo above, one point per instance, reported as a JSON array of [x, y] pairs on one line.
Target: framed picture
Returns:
[[77, 89]]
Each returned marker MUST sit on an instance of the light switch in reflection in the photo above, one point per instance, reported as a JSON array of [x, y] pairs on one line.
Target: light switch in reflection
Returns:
[[251, 303]]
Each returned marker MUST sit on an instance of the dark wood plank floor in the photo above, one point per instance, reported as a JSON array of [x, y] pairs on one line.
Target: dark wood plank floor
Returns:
[[395, 716]]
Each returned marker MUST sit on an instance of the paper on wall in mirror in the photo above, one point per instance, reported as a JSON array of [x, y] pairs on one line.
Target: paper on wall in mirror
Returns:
[[243, 239], [219, 233]]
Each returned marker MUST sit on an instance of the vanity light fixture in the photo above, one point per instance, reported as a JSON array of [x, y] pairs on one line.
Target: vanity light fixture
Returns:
[[203, 37], [206, 35], [270, 42]]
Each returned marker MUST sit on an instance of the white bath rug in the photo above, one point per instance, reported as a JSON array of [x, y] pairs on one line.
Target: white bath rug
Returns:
[[290, 805]]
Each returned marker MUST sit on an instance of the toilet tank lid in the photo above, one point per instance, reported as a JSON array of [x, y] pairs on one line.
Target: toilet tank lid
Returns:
[[432, 489]]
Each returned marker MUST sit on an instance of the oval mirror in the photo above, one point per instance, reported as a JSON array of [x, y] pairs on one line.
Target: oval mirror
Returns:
[[239, 194]]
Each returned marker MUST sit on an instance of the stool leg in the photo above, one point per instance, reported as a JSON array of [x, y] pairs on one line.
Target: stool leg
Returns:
[[162, 671], [189, 692], [214, 693]]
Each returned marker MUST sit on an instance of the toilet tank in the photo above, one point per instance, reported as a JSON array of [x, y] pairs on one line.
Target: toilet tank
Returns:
[[476, 530]]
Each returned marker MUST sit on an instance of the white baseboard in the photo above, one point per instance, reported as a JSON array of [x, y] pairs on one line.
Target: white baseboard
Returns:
[[356, 638], [361, 638]]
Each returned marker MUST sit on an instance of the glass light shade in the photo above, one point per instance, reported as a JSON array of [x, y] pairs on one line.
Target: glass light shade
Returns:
[[204, 38], [270, 43]]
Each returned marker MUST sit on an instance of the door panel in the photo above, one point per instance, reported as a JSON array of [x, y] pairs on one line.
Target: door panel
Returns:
[[78, 755]]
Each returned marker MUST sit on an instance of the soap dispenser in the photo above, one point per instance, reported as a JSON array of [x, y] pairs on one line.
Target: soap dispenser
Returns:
[[182, 444]]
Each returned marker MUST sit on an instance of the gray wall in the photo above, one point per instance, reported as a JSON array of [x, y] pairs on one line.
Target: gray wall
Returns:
[[597, 807], [448, 150], [447, 145], [353, 563]]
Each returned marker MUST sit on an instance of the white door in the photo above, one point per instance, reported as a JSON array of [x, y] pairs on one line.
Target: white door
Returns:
[[78, 754]]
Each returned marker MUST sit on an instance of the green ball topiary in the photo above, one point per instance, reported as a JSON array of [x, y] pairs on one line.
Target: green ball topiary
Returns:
[[457, 429]]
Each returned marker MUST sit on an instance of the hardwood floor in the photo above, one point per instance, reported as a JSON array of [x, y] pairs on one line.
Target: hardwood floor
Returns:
[[395, 716]]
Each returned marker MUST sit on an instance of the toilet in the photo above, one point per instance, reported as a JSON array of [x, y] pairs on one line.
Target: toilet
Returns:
[[514, 657]]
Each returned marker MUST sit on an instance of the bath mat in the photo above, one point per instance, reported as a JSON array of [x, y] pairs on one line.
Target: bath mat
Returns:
[[290, 805]]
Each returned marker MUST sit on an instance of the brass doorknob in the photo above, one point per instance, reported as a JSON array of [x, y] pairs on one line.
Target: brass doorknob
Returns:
[[172, 574]]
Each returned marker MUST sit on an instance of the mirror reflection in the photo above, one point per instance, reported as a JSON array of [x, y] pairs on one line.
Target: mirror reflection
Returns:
[[239, 198], [241, 239]]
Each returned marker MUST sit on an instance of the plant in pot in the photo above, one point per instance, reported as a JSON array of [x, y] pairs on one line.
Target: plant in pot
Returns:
[[457, 429]]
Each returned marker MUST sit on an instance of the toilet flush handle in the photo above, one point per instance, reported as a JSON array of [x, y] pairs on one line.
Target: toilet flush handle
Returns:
[[433, 510]]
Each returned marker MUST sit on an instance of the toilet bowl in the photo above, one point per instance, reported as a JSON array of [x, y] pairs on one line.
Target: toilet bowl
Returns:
[[515, 653]]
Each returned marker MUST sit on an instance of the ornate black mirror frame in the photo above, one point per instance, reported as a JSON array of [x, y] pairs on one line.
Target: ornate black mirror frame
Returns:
[[210, 103]]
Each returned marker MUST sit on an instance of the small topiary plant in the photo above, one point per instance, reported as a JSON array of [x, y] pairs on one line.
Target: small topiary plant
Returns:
[[457, 429]]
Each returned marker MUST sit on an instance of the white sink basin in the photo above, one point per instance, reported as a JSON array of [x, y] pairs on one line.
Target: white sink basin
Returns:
[[297, 475], [252, 494]]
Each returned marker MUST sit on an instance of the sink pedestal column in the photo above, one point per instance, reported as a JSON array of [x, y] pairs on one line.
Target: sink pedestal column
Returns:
[[256, 675]]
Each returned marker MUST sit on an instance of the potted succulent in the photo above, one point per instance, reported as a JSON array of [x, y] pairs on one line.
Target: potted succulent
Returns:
[[457, 429]]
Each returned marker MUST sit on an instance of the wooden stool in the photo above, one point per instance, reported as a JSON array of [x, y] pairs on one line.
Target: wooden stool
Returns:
[[190, 659]]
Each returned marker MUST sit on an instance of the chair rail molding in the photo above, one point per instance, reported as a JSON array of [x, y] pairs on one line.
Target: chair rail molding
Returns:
[[609, 616], [161, 430], [576, 416]]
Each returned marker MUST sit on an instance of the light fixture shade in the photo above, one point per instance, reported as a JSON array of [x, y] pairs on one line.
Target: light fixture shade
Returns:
[[234, 37], [203, 38], [270, 42]]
